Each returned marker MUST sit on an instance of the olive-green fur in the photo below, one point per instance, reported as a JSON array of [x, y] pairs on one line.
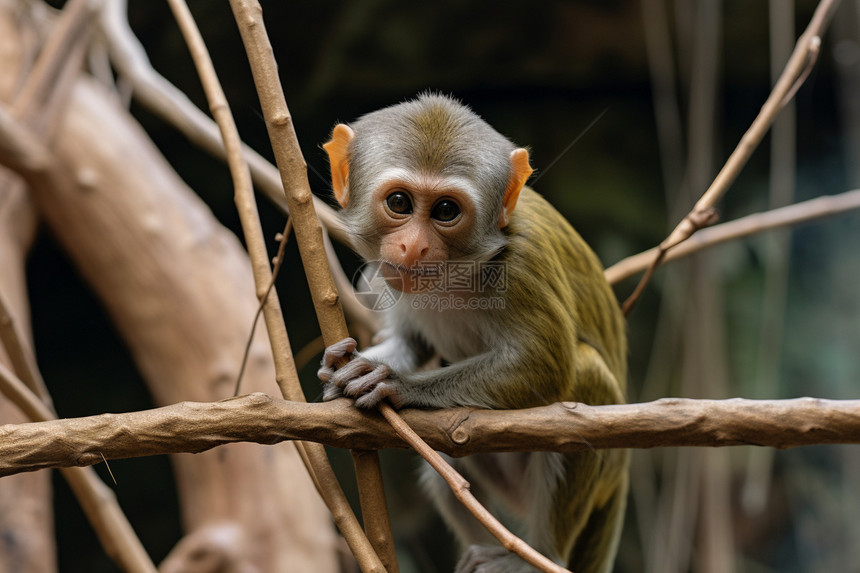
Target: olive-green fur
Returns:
[[565, 303], [555, 279]]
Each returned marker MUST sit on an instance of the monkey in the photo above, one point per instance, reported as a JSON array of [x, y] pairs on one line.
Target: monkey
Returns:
[[437, 197]]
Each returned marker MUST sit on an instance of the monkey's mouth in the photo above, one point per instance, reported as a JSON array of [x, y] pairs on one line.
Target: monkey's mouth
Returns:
[[412, 280], [425, 270]]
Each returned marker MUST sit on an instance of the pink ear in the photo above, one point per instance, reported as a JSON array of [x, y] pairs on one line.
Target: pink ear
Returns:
[[520, 172], [338, 157]]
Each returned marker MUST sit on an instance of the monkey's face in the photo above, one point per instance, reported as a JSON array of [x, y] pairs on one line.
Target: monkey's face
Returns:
[[423, 184], [422, 223]]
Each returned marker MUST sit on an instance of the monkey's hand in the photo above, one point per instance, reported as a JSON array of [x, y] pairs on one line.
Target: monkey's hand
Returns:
[[367, 381]]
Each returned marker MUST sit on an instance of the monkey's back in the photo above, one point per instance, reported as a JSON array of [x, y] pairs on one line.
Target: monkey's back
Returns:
[[564, 278]]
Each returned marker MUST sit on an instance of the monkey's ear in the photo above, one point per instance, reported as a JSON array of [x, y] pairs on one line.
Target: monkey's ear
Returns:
[[520, 172], [341, 136]]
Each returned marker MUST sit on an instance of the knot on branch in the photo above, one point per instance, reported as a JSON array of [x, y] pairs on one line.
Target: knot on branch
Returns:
[[695, 220], [459, 430]]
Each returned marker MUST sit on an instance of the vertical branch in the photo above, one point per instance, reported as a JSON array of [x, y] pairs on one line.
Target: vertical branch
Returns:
[[311, 247], [312, 454]]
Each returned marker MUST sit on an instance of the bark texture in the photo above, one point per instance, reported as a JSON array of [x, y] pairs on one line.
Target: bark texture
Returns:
[[562, 427]]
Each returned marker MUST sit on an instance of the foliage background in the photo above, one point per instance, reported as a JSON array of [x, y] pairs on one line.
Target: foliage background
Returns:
[[541, 73]]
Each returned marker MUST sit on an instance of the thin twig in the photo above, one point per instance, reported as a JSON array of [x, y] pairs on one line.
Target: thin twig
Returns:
[[703, 213], [460, 487], [107, 466], [803, 212], [279, 259], [20, 354], [312, 455]]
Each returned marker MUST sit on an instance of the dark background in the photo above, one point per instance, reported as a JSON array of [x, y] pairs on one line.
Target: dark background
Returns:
[[541, 73]]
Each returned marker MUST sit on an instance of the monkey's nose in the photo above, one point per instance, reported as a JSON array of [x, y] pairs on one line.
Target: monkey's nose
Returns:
[[412, 253]]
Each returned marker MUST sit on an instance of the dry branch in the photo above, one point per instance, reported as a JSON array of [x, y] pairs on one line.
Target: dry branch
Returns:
[[174, 260], [461, 489], [163, 99], [563, 427], [293, 170], [703, 213], [803, 212], [313, 456]]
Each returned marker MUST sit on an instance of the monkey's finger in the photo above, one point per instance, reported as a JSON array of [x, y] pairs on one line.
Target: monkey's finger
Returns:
[[337, 351], [330, 392], [325, 373], [356, 368], [380, 392], [366, 383]]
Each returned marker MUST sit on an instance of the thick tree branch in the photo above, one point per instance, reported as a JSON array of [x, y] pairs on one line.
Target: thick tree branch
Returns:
[[563, 427]]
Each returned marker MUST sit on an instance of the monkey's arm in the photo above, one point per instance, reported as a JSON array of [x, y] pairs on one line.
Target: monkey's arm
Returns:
[[505, 377]]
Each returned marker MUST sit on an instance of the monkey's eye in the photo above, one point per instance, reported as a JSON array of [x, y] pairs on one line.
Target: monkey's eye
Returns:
[[399, 203], [445, 211]]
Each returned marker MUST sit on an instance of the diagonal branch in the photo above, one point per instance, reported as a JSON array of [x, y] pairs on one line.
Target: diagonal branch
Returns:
[[703, 213], [162, 98], [313, 456], [802, 212]]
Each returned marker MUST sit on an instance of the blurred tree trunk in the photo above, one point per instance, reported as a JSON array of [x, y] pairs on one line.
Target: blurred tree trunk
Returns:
[[26, 522], [178, 286], [26, 518]]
